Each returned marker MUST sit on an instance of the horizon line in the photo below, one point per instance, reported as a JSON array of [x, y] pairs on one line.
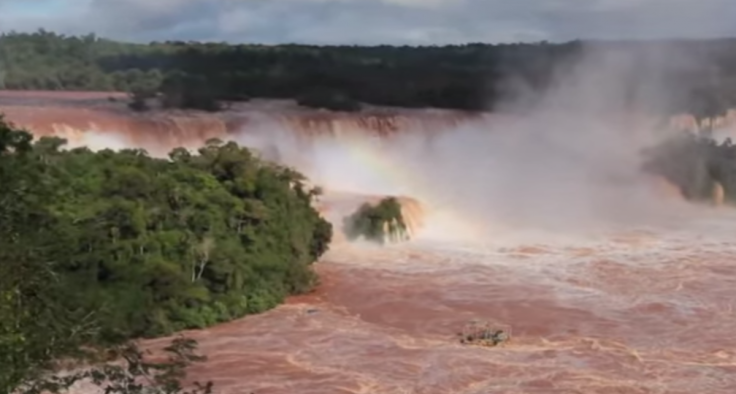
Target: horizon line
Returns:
[[625, 41]]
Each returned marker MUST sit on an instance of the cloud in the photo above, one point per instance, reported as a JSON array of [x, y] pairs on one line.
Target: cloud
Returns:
[[374, 21]]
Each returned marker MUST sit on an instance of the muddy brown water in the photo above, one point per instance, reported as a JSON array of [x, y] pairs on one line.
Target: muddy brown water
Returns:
[[630, 314]]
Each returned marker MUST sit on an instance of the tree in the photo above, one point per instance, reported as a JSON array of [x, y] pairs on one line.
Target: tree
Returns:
[[41, 333]]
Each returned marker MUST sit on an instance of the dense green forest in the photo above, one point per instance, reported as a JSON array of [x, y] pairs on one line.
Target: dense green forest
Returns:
[[471, 77], [107, 246], [163, 245]]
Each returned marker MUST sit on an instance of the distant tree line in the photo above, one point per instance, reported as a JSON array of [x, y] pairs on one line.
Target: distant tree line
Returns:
[[164, 245], [468, 77]]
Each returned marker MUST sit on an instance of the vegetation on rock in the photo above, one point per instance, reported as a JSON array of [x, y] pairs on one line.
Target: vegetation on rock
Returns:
[[382, 222], [695, 165]]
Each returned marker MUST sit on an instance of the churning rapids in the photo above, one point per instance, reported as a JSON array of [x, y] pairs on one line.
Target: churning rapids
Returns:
[[645, 312], [619, 289]]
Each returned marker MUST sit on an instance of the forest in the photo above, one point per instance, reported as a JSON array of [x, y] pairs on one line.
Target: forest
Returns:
[[97, 248], [467, 77]]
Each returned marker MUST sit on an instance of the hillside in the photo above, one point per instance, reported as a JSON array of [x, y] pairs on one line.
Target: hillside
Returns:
[[699, 74]]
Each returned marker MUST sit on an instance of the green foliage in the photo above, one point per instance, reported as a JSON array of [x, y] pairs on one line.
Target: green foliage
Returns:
[[154, 246], [471, 77], [377, 223], [42, 330], [26, 279]]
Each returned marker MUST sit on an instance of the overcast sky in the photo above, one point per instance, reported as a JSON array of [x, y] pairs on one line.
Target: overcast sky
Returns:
[[374, 21]]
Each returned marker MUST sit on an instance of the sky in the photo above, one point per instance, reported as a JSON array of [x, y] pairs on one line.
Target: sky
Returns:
[[413, 22]]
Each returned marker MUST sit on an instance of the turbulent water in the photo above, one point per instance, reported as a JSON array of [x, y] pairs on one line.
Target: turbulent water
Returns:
[[645, 312], [619, 309], [606, 282]]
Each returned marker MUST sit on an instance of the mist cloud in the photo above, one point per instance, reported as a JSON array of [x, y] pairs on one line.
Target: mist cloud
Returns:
[[375, 21], [571, 164]]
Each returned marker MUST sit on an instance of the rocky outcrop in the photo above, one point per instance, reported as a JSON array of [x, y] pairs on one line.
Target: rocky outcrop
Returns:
[[335, 206]]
